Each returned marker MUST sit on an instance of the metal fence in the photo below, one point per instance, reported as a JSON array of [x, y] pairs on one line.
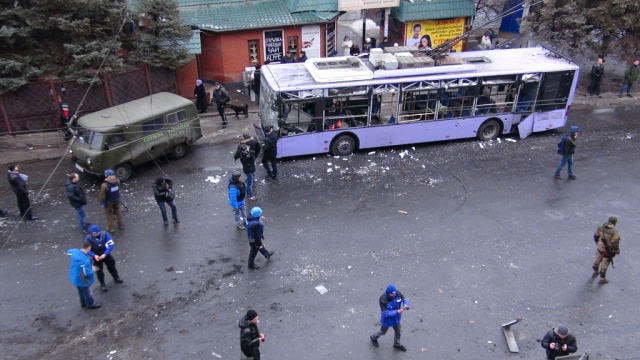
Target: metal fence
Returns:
[[37, 105]]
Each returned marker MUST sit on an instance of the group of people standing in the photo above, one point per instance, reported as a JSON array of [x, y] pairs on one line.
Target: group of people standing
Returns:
[[597, 75]]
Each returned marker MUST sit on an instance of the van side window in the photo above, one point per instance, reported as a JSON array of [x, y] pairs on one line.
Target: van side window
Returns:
[[115, 139], [152, 125], [177, 117]]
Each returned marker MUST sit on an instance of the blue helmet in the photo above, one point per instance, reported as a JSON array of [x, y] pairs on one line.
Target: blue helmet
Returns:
[[108, 172], [574, 128], [256, 212]]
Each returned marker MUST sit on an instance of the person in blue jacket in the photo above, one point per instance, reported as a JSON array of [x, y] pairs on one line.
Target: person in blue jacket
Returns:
[[81, 274], [101, 247], [255, 232], [237, 193], [392, 305]]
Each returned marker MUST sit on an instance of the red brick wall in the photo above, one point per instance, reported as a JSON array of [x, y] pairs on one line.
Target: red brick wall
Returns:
[[225, 55], [186, 77]]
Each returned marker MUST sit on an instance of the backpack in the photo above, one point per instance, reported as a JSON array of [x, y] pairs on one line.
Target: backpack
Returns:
[[561, 144]]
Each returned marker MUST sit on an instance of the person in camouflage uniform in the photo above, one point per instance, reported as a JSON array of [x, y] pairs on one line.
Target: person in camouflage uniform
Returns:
[[607, 238]]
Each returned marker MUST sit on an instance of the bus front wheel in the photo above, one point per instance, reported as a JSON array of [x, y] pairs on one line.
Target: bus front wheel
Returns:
[[489, 130], [123, 171], [343, 145]]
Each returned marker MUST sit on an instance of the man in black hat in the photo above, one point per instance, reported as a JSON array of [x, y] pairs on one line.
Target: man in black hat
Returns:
[[270, 152], [559, 342], [607, 238], [19, 187], [221, 97], [250, 337]]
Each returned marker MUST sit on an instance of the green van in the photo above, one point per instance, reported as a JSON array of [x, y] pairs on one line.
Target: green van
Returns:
[[134, 133]]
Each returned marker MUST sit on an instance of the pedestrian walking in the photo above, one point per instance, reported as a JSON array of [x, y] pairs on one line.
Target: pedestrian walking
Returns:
[[566, 148], [110, 199], [630, 77], [237, 193], [18, 184], [81, 274], [101, 247], [255, 232], [77, 199], [607, 239], [250, 337], [597, 73], [221, 98], [270, 152], [559, 342], [163, 193], [201, 96], [392, 305], [247, 151]]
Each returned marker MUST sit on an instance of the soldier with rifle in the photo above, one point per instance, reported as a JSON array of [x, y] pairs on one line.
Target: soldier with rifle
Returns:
[[607, 238]]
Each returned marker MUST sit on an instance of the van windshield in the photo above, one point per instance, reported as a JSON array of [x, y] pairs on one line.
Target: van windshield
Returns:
[[92, 138]]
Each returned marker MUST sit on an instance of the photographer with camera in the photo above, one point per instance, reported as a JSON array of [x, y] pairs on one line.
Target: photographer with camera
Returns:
[[250, 337], [163, 193], [559, 342], [392, 305]]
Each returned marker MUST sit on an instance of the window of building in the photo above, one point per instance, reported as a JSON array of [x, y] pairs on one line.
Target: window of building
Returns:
[[254, 55], [292, 47]]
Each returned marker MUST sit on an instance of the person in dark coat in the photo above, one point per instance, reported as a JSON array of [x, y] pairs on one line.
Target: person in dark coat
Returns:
[[250, 337], [247, 151], [303, 57], [201, 97], [559, 342], [19, 187], [65, 118], [77, 199], [630, 77], [163, 193], [270, 152], [597, 73], [221, 97], [101, 247], [255, 83], [570, 144]]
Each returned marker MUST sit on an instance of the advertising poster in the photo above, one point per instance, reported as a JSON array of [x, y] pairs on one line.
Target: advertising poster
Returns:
[[311, 40], [273, 45], [435, 31], [330, 39]]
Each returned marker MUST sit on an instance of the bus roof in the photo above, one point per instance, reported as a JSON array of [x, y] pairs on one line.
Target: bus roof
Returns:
[[133, 111], [295, 77]]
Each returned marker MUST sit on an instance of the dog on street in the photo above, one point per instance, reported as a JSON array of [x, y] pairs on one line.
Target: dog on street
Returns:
[[244, 108]]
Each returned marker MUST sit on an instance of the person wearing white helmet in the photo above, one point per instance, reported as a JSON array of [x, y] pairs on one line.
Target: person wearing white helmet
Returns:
[[255, 232]]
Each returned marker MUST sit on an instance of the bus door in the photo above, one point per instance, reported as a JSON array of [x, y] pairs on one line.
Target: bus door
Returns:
[[553, 98]]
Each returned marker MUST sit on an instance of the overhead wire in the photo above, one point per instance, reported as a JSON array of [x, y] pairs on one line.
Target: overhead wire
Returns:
[[69, 126]]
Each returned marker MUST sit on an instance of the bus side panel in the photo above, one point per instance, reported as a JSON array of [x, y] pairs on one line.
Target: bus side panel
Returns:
[[549, 120], [307, 144]]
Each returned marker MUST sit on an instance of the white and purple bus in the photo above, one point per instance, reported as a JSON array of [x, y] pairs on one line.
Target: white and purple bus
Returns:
[[343, 104]]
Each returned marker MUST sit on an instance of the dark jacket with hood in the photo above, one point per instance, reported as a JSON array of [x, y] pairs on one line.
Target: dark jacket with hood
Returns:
[[75, 193], [569, 145], [161, 187], [248, 162], [249, 335], [552, 337], [271, 144]]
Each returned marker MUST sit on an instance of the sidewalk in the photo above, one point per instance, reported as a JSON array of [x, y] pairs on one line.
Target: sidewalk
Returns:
[[19, 149]]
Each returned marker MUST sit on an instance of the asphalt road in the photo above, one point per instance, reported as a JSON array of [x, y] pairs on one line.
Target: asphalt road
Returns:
[[474, 236]]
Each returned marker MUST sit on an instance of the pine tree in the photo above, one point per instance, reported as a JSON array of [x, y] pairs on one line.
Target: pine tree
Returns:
[[161, 38], [558, 23]]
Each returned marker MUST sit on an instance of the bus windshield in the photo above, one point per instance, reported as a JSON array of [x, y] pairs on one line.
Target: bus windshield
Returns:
[[269, 105]]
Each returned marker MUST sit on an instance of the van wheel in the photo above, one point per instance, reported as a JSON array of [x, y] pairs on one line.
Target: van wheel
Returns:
[[489, 130], [123, 171], [343, 145], [179, 151]]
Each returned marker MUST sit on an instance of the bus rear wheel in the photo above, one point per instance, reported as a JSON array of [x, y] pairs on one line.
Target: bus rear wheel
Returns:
[[123, 171], [343, 145], [489, 130]]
